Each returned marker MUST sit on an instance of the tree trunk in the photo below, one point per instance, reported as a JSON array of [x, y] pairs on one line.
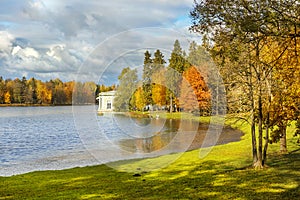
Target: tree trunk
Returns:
[[253, 135], [266, 144], [259, 163], [253, 130], [267, 119], [283, 146]]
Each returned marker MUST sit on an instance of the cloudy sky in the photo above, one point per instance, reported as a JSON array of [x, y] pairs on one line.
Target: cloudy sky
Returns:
[[87, 40]]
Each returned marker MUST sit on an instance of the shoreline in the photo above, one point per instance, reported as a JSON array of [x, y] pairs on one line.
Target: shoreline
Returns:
[[70, 160], [82, 159]]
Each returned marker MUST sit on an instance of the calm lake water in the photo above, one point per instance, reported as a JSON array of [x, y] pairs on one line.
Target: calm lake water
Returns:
[[43, 138]]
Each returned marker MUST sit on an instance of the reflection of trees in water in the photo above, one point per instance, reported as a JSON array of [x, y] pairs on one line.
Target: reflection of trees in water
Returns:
[[151, 144], [159, 140], [180, 135], [147, 145]]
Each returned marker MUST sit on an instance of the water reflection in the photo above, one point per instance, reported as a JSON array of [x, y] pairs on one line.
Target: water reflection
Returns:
[[177, 136]]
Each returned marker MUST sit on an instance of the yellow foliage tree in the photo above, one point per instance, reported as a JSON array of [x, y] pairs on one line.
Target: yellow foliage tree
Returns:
[[140, 101], [158, 88], [7, 98], [44, 94]]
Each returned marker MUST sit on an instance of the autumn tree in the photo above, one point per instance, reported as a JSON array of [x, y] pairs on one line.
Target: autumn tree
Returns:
[[68, 90], [89, 89], [200, 58], [284, 88], [8, 99], [54, 92], [139, 99], [195, 95], [2, 90], [159, 88], [158, 79], [240, 30]]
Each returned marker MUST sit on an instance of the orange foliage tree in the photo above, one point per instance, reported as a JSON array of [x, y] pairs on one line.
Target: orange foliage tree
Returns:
[[195, 95]]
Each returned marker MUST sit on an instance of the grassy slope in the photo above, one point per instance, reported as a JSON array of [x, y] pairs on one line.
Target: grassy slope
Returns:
[[223, 174]]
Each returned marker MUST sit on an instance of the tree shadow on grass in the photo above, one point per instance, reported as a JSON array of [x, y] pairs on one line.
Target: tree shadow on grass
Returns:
[[201, 180], [219, 180]]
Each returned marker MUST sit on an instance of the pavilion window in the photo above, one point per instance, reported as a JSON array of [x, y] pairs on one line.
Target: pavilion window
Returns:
[[108, 104]]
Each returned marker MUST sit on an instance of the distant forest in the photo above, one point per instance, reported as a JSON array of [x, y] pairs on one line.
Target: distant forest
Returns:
[[53, 92]]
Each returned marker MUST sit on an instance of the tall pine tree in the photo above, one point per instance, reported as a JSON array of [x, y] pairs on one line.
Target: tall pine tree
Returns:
[[147, 74], [174, 73]]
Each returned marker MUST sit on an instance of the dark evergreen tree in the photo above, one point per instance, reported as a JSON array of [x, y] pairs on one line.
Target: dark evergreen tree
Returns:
[[175, 69], [158, 61], [147, 74], [33, 91], [177, 60], [23, 89], [2, 90]]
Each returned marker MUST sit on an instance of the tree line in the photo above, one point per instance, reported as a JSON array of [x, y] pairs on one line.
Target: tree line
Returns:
[[181, 85], [53, 92], [256, 47]]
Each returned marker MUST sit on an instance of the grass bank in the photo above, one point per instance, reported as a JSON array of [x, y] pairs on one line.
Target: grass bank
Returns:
[[222, 174]]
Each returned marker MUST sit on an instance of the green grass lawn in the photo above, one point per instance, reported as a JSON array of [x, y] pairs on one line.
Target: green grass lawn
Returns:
[[222, 174]]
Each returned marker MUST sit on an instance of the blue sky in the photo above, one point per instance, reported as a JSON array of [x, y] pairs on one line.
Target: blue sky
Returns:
[[87, 40]]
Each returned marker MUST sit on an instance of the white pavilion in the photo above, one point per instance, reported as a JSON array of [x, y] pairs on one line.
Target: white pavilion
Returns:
[[106, 101]]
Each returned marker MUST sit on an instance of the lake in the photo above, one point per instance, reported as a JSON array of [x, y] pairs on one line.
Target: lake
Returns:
[[44, 138]]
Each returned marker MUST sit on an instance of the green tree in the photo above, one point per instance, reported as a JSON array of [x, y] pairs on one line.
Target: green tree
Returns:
[[177, 60], [17, 91], [125, 92], [174, 72]]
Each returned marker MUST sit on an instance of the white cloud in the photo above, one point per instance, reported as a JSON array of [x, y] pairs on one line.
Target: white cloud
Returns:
[[27, 52], [30, 52], [55, 52], [15, 50], [60, 35], [5, 41]]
